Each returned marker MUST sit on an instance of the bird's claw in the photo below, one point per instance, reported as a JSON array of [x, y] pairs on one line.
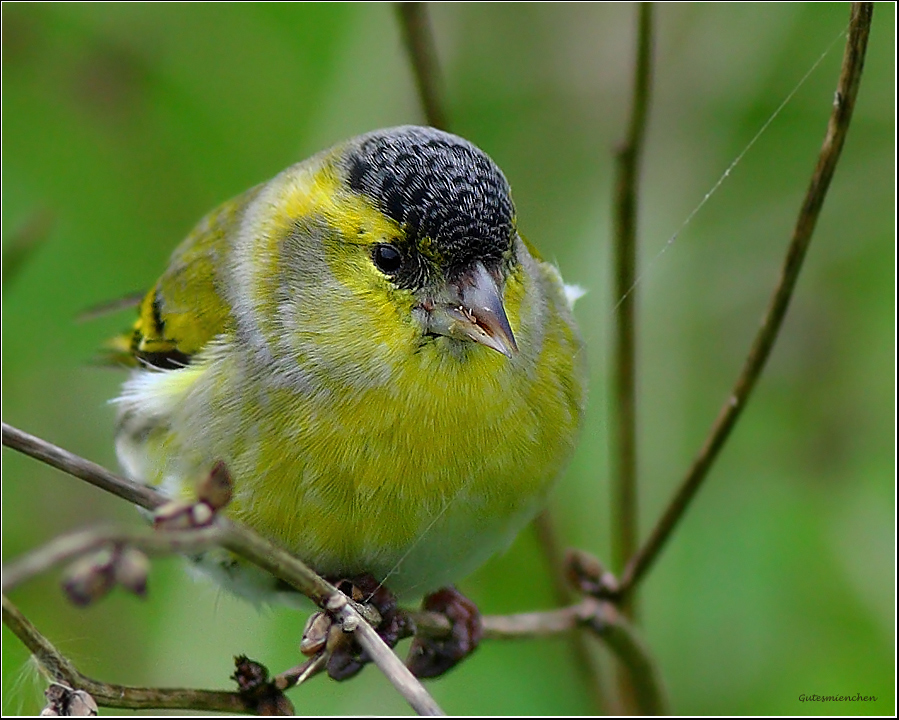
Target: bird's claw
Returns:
[[430, 657], [327, 636]]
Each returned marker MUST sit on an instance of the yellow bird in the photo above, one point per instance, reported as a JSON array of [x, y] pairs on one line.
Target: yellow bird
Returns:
[[388, 370]]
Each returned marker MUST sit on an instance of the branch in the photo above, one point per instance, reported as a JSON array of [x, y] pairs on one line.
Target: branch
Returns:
[[624, 451], [92, 473], [624, 536], [404, 681], [419, 41], [838, 126], [247, 544], [612, 626], [62, 670], [73, 545], [600, 616]]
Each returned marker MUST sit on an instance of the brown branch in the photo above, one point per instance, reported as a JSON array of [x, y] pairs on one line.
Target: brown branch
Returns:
[[612, 626], [247, 544], [62, 670], [600, 616], [66, 548], [624, 480], [419, 42], [280, 563], [404, 681], [92, 473], [624, 502], [838, 126]]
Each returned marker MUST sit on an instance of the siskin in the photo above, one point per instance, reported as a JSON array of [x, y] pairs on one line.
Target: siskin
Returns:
[[388, 370]]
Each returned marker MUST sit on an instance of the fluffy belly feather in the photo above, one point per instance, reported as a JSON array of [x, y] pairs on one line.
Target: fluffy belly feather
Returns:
[[417, 484]]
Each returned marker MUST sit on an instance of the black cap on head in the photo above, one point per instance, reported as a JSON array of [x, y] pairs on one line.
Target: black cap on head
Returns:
[[436, 186]]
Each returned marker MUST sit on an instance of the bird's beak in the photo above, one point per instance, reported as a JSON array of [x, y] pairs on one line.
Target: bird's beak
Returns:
[[472, 309]]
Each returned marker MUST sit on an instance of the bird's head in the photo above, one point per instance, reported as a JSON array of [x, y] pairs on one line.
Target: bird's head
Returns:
[[394, 242]]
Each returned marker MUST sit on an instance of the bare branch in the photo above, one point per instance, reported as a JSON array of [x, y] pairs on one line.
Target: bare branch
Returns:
[[73, 545], [611, 625], [404, 681], [600, 616], [838, 126], [624, 502], [419, 41], [624, 450], [92, 473], [62, 670]]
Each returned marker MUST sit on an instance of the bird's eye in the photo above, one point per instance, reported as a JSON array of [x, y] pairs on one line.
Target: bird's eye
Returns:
[[387, 258]]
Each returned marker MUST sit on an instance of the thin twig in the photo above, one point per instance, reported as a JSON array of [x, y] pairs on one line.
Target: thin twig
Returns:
[[648, 695], [62, 670], [403, 680], [624, 452], [600, 616], [243, 542], [66, 548], [419, 41], [628, 172], [838, 126], [92, 473]]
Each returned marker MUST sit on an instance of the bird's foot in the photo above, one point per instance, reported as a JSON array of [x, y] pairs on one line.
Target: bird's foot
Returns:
[[323, 634], [430, 657]]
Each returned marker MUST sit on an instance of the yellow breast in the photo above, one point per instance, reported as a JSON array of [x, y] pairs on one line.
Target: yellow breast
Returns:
[[416, 473]]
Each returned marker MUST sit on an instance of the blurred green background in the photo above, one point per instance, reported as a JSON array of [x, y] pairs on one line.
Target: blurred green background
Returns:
[[124, 124]]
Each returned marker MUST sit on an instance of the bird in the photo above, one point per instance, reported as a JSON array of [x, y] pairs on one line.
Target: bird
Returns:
[[391, 374]]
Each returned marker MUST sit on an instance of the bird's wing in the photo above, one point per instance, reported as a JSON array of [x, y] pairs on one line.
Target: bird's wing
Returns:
[[188, 305]]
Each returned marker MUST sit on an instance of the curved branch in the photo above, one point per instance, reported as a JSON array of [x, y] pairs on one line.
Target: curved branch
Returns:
[[838, 126], [62, 670], [96, 475], [73, 545]]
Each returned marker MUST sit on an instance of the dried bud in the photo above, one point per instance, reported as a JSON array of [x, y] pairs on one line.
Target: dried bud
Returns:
[[216, 488], [131, 569], [174, 515], [82, 705], [201, 515], [64, 701], [260, 694], [315, 634], [249, 674], [180, 515], [588, 575], [89, 578]]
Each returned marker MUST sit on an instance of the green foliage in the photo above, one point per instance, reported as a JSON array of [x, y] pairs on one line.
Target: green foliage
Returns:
[[124, 123]]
